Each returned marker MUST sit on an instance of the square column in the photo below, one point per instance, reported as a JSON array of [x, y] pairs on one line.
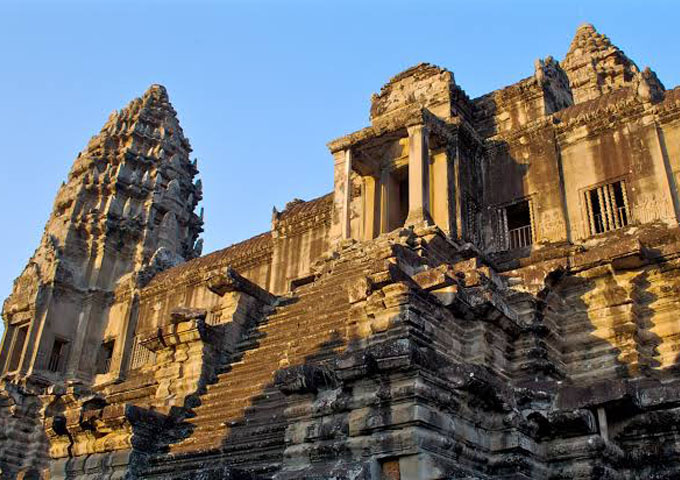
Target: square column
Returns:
[[347, 196], [342, 195], [371, 207], [418, 176]]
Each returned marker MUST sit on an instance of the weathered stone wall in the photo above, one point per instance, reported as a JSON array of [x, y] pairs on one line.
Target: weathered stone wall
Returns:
[[524, 167], [300, 235], [187, 285], [598, 148], [23, 442], [389, 329], [552, 161]]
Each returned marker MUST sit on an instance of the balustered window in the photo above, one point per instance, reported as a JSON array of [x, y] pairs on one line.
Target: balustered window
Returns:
[[515, 226], [57, 359], [607, 207], [140, 355], [105, 356]]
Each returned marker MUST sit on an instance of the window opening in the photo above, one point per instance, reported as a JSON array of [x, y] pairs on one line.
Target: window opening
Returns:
[[58, 355], [396, 199], [141, 355], [607, 207], [515, 226], [403, 200], [18, 348], [105, 356]]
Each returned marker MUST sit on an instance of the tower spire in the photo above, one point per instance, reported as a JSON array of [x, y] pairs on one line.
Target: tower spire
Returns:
[[595, 66], [106, 223]]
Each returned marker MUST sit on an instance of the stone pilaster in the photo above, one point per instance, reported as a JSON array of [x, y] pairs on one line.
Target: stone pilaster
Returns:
[[418, 176], [341, 195], [347, 196], [371, 192]]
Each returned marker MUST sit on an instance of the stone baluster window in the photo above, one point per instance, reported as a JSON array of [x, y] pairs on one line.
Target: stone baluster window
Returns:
[[214, 317], [607, 207], [57, 358], [141, 356], [514, 226], [105, 356]]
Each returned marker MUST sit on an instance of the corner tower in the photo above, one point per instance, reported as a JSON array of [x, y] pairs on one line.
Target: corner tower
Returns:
[[595, 67], [128, 203]]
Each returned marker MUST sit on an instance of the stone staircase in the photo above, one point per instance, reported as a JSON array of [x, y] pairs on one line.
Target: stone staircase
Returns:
[[241, 416]]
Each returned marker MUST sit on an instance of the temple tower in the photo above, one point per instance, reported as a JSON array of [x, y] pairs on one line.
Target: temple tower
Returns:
[[595, 67], [128, 204], [414, 165]]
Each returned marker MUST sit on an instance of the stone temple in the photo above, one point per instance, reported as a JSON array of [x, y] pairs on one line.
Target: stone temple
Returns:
[[490, 291]]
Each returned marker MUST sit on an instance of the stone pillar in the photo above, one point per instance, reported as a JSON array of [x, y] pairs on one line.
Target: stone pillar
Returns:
[[126, 338], [340, 227], [418, 176], [347, 196], [37, 341], [371, 207], [668, 184], [384, 203], [441, 188], [6, 350], [78, 343]]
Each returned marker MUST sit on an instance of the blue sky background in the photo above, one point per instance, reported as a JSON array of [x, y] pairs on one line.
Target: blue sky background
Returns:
[[260, 87]]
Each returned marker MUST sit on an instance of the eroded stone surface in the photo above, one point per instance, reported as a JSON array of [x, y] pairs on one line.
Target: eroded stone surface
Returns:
[[488, 292]]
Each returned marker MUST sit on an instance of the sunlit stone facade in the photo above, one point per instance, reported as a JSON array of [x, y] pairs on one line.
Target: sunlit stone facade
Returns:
[[489, 291]]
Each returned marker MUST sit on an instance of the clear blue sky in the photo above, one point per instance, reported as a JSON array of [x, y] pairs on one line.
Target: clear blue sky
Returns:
[[260, 87]]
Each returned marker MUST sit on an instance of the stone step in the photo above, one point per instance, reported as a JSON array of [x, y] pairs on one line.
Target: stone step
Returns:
[[308, 344], [260, 392], [235, 396], [328, 330], [281, 332], [265, 396], [317, 322], [231, 441], [241, 408], [321, 306], [277, 331], [230, 420], [246, 452]]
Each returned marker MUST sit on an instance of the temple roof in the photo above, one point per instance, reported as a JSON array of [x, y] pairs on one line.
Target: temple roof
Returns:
[[300, 208], [229, 256], [596, 105]]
